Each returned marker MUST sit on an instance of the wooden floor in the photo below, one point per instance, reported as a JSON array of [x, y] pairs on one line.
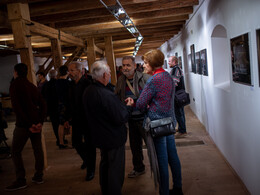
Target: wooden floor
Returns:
[[204, 170]]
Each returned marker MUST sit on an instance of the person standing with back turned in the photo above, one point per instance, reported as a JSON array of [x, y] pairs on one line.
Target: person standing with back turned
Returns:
[[30, 110], [107, 116]]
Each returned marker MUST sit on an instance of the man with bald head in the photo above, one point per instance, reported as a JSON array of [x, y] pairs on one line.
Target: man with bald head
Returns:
[[178, 78], [130, 84], [79, 122]]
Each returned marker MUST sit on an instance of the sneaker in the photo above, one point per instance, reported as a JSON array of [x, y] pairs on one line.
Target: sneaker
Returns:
[[134, 173], [37, 180], [176, 191], [17, 185], [65, 141], [180, 135], [63, 146]]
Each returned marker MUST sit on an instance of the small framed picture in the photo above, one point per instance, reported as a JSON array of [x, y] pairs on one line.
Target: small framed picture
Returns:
[[180, 62], [192, 52], [197, 62], [240, 59], [203, 61]]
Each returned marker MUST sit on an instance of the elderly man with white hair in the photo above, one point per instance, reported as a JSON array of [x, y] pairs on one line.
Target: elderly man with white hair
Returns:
[[107, 116]]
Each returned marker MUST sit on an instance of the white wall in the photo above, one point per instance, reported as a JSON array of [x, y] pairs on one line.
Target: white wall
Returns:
[[6, 72], [229, 111]]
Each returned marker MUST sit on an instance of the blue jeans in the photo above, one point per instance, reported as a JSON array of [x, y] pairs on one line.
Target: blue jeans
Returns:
[[167, 153], [180, 117]]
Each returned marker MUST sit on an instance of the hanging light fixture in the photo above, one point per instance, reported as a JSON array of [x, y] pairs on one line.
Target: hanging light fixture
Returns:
[[120, 14]]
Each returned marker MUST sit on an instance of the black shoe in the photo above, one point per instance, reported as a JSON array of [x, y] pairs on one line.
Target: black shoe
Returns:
[[176, 191], [84, 165], [37, 180], [90, 175], [62, 146], [17, 185]]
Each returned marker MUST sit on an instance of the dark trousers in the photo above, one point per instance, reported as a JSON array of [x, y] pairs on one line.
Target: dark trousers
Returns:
[[112, 170], [84, 148], [20, 137], [180, 117], [136, 136], [55, 125]]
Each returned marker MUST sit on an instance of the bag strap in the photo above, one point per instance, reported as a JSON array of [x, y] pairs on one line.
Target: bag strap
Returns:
[[130, 86]]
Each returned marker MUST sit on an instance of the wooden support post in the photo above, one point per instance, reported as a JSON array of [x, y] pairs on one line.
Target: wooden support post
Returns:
[[56, 53], [91, 52], [17, 12], [109, 52]]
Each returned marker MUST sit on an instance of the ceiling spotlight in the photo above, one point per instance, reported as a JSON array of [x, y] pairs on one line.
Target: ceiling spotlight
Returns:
[[119, 13]]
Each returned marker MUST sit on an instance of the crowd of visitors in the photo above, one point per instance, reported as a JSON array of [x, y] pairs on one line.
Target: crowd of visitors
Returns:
[[99, 115]]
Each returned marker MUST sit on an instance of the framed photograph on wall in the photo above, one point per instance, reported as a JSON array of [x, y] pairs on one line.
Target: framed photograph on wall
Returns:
[[203, 61], [189, 63], [258, 51], [180, 62], [192, 52], [240, 59], [197, 62], [165, 64]]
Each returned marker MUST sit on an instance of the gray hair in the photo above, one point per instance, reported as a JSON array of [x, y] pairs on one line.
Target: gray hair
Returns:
[[52, 74], [78, 65], [129, 58], [98, 68]]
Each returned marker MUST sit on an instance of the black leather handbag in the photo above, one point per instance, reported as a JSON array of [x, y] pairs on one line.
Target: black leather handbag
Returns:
[[182, 98], [162, 127]]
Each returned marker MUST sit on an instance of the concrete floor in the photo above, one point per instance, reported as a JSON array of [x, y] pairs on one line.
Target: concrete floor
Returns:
[[204, 170]]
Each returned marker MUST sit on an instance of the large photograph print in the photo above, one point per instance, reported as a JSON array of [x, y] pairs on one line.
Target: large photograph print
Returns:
[[203, 61], [192, 52], [258, 52], [197, 62], [240, 59]]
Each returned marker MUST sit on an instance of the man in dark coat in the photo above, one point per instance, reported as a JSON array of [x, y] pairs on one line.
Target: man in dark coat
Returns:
[[80, 133], [30, 110], [107, 116]]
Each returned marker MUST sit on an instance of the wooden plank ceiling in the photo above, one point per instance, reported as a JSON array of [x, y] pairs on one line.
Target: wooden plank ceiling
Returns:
[[156, 20]]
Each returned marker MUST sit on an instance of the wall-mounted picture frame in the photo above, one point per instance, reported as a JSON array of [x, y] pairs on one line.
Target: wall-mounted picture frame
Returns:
[[189, 63], [193, 64], [240, 58], [165, 64], [204, 62], [197, 62], [258, 51], [180, 62]]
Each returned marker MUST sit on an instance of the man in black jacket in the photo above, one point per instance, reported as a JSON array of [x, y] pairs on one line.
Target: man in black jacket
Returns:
[[107, 116], [30, 110], [50, 95], [178, 78], [85, 148]]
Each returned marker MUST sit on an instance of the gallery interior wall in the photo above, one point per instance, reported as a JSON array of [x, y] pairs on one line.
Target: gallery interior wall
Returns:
[[6, 73], [229, 110]]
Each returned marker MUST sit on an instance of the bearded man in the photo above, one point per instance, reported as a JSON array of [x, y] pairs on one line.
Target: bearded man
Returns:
[[131, 84]]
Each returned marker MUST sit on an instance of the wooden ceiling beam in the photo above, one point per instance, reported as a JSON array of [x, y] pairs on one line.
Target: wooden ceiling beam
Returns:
[[50, 32], [124, 49], [65, 6], [164, 13], [131, 10], [115, 24], [159, 5]]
